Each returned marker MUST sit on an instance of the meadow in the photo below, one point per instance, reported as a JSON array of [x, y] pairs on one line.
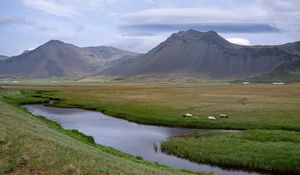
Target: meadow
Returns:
[[268, 113], [262, 106], [34, 145]]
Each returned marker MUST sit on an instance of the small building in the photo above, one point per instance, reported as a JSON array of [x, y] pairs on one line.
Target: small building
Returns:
[[246, 82]]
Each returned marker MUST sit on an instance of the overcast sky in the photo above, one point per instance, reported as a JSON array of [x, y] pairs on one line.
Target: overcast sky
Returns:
[[139, 25]]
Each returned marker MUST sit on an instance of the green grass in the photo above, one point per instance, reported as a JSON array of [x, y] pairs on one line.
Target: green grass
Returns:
[[249, 107], [273, 151], [35, 145], [270, 113]]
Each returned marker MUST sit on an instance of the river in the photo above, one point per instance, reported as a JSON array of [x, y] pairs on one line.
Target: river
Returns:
[[129, 137]]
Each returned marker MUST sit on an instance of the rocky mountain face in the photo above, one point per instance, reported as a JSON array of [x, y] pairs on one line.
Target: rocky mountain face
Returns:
[[56, 58], [206, 54]]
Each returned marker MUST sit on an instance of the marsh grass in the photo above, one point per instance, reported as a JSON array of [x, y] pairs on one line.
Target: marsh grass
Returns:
[[266, 150]]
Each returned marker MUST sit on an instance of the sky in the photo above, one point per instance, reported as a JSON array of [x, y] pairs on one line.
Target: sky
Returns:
[[139, 25]]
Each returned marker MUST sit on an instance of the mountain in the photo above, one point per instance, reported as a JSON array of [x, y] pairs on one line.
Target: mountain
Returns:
[[292, 48], [2, 57], [56, 58], [286, 72], [206, 54], [187, 53]]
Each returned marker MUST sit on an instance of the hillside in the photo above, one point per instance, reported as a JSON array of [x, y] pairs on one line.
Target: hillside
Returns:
[[206, 54], [56, 58], [3, 57], [286, 72]]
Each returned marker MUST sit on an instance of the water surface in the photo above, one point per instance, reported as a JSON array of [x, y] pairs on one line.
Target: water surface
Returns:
[[129, 137]]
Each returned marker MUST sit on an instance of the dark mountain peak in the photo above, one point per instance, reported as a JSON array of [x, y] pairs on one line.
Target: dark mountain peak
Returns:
[[195, 33], [57, 44], [194, 36], [54, 43], [198, 33]]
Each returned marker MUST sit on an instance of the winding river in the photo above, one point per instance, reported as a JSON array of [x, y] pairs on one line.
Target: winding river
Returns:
[[129, 137]]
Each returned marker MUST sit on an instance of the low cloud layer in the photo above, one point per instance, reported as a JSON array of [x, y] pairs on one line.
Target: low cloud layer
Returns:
[[204, 19], [239, 41]]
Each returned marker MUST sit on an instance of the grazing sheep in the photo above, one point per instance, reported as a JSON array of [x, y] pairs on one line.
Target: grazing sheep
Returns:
[[211, 118], [187, 115], [223, 116]]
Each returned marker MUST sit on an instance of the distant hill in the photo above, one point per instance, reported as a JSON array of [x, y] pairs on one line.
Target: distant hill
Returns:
[[206, 54], [56, 58], [286, 72], [3, 57]]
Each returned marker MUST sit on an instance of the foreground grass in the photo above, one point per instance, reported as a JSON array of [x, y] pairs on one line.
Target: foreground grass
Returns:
[[274, 151], [35, 145], [248, 107]]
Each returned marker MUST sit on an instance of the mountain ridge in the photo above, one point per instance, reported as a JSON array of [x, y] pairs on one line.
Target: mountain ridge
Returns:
[[56, 58], [206, 54], [185, 53]]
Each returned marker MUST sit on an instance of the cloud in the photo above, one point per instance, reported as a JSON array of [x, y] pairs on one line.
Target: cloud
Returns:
[[151, 29], [174, 19], [239, 41], [283, 14], [51, 6], [23, 22]]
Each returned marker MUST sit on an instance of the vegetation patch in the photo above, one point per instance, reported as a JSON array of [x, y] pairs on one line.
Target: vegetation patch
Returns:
[[266, 150], [36, 145], [268, 113], [248, 106]]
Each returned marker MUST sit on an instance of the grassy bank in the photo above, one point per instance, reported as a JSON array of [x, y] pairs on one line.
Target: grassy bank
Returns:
[[35, 145], [273, 151], [248, 107]]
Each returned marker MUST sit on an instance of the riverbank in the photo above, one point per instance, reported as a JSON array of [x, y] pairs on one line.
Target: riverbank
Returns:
[[34, 145], [266, 150]]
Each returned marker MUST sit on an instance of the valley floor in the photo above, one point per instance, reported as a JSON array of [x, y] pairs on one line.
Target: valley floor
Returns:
[[261, 106], [269, 113]]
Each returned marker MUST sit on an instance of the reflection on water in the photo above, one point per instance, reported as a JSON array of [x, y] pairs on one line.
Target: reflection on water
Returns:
[[129, 137]]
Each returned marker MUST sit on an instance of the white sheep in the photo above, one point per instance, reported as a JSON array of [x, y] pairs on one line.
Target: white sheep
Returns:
[[223, 116], [211, 118], [187, 115]]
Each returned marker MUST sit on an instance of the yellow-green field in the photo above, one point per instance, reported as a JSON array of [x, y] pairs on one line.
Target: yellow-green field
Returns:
[[271, 113], [249, 107]]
